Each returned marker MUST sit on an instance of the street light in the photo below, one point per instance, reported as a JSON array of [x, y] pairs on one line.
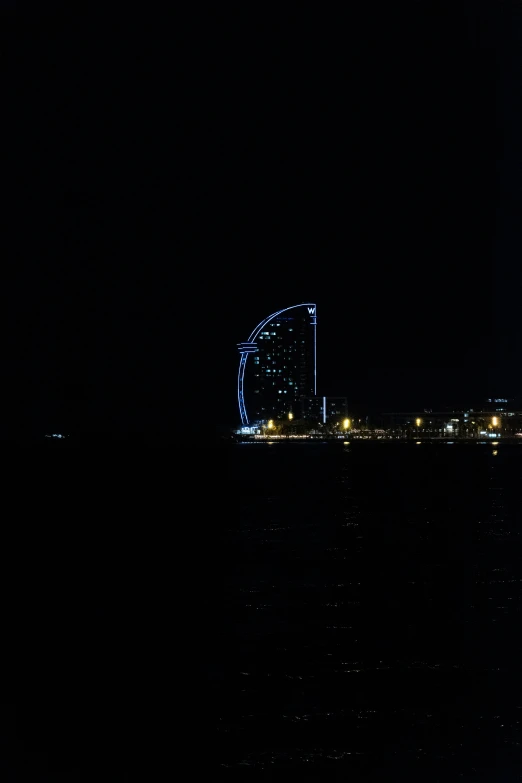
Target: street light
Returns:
[[290, 416], [346, 424], [271, 424], [494, 421], [418, 422]]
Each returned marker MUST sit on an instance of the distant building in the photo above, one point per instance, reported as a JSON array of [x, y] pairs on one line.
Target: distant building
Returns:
[[277, 365], [498, 403], [492, 423], [323, 409]]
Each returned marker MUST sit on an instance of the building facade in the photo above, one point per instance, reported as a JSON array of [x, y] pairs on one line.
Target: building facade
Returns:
[[323, 410], [278, 365]]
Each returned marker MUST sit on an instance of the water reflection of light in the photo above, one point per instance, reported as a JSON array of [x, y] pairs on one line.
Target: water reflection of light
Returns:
[[346, 443], [270, 442], [495, 452], [418, 442], [495, 443]]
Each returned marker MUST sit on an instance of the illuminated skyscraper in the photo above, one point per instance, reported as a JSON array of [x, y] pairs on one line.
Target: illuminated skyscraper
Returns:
[[282, 368]]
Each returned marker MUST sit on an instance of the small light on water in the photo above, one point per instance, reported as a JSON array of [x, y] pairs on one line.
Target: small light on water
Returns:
[[495, 452], [346, 442], [418, 442]]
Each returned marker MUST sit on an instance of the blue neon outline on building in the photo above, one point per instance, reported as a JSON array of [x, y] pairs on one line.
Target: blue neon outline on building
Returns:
[[250, 346]]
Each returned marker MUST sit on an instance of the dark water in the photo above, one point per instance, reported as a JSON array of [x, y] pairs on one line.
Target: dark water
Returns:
[[262, 612], [366, 622]]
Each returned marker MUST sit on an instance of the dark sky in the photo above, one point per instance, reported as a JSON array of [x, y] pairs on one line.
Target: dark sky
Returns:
[[179, 184]]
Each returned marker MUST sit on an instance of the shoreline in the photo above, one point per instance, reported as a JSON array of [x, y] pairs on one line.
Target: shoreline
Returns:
[[352, 441]]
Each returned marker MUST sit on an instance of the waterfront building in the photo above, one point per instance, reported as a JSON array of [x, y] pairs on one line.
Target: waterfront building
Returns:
[[278, 365], [323, 410]]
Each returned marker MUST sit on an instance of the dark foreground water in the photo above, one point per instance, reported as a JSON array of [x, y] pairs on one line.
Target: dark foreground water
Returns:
[[366, 621], [262, 612]]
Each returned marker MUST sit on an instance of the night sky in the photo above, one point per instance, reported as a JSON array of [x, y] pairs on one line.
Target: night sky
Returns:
[[175, 193]]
